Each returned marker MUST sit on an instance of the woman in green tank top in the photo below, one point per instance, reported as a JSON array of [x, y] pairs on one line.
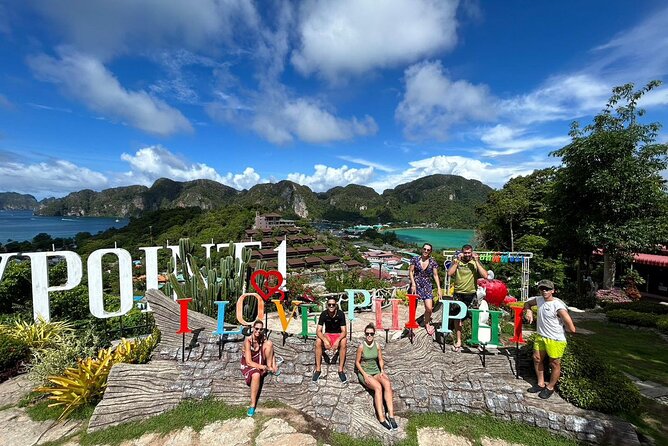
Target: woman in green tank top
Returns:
[[369, 364]]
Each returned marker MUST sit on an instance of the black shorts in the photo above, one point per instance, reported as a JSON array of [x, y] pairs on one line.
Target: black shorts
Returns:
[[467, 299]]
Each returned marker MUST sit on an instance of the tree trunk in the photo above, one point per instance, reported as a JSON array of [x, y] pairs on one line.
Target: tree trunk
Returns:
[[608, 271], [512, 239], [578, 274]]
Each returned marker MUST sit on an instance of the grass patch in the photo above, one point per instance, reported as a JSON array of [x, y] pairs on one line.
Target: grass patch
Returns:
[[37, 407], [195, 414], [640, 353], [651, 419], [338, 439], [30, 398], [40, 411], [474, 427]]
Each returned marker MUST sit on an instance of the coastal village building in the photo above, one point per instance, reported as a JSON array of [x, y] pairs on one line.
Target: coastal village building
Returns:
[[271, 221]]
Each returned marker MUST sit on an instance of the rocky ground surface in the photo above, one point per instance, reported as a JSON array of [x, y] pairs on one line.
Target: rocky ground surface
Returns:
[[270, 427]]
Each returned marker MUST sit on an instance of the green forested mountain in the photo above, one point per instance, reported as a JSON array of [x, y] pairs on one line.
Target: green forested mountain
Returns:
[[290, 199], [11, 201], [135, 200], [448, 200]]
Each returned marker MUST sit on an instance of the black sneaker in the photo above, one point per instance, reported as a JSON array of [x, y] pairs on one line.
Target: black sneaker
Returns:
[[343, 377], [386, 425], [535, 388], [393, 423], [546, 393], [316, 376]]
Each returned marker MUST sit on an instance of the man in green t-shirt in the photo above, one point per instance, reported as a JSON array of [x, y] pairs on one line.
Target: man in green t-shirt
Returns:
[[465, 271]]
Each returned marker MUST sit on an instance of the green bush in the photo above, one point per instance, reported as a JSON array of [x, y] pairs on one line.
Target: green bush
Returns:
[[53, 361], [662, 323], [632, 318], [12, 352], [589, 382], [641, 306], [143, 348]]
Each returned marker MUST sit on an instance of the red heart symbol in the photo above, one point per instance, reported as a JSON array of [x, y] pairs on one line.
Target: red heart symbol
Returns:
[[271, 290]]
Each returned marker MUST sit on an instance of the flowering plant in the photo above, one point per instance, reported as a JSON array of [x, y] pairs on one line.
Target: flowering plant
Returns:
[[614, 295]]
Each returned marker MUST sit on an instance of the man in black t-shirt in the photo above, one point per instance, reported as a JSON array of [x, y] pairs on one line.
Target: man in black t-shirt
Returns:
[[332, 338]]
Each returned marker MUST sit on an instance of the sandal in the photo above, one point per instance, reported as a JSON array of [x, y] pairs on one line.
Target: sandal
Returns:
[[456, 348], [430, 329]]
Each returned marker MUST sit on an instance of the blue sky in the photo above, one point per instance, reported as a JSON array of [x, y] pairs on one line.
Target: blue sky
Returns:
[[99, 94]]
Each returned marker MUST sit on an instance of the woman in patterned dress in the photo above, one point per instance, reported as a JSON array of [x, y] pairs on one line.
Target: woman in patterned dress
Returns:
[[421, 270], [258, 359]]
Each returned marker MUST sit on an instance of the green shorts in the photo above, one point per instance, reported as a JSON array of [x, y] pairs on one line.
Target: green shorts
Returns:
[[554, 349]]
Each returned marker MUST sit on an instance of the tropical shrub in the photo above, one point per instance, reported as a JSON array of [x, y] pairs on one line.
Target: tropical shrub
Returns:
[[12, 352], [85, 383], [589, 382], [642, 306], [54, 361], [140, 352], [632, 318], [80, 385], [39, 335], [662, 324]]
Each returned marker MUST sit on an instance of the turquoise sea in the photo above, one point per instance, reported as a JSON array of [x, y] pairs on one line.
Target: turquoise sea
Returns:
[[439, 238], [23, 225]]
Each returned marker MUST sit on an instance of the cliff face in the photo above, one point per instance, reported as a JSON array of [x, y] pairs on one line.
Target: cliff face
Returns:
[[11, 201], [448, 200]]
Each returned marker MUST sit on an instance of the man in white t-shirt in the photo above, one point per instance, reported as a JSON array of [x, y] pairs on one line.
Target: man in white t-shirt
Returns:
[[551, 338]]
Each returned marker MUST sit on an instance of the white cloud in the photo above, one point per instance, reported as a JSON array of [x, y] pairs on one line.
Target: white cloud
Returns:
[[88, 81], [150, 163], [354, 36], [363, 162], [107, 28], [516, 140], [432, 102], [325, 177], [49, 107], [656, 97], [49, 178], [492, 175], [279, 119], [637, 54], [560, 97]]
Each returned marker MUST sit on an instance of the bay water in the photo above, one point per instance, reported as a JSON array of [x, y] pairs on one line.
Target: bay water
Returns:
[[438, 238], [24, 225]]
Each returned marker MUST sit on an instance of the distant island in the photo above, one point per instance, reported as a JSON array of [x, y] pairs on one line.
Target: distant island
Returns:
[[445, 200]]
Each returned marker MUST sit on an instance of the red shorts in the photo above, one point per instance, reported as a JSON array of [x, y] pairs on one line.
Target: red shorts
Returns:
[[333, 337]]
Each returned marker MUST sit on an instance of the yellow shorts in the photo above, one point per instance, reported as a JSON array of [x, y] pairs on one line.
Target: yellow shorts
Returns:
[[554, 349]]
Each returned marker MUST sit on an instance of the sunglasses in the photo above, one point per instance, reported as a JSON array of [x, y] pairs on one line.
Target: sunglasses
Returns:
[[331, 305], [257, 328], [426, 249], [369, 334], [544, 289]]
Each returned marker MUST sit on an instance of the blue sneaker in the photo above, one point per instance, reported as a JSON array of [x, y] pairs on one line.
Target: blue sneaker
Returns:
[[251, 411]]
